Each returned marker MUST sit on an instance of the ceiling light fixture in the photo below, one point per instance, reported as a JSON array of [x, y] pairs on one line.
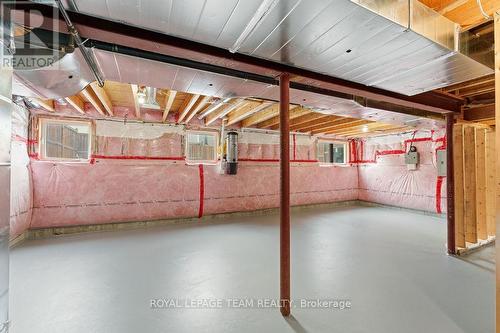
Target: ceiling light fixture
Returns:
[[264, 9], [364, 128]]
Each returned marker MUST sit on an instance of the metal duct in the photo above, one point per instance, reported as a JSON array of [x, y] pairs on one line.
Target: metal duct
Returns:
[[397, 45], [123, 68], [65, 77]]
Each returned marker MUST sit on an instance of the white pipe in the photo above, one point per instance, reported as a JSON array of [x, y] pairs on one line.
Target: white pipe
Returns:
[[486, 16]]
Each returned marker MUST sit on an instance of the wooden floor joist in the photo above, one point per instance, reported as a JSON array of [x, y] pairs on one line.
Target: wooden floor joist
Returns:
[[77, 103]]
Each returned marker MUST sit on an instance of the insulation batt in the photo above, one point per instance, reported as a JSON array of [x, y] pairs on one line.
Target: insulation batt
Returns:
[[138, 173], [138, 189], [21, 188], [388, 181]]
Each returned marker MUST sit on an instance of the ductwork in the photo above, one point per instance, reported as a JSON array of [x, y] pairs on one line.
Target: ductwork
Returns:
[[65, 77], [397, 45]]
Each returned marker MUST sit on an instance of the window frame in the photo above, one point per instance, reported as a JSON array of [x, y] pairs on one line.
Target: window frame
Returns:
[[42, 139], [186, 147], [332, 141]]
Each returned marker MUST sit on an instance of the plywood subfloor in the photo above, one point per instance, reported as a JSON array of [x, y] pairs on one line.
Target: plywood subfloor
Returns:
[[390, 263]]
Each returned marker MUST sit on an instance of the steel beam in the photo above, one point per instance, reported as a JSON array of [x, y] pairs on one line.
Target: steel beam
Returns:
[[284, 194]]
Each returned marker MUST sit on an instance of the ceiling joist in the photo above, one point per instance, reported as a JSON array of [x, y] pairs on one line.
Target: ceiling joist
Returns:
[[90, 95], [103, 97], [246, 111], [77, 103], [47, 104], [187, 107], [201, 104], [275, 121], [169, 101]]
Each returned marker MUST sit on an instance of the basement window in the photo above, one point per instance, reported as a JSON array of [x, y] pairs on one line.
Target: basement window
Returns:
[[201, 147], [65, 140], [334, 153]]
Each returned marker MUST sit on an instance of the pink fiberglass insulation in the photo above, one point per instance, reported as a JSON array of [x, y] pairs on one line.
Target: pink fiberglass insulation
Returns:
[[138, 174], [115, 191], [384, 177], [21, 189]]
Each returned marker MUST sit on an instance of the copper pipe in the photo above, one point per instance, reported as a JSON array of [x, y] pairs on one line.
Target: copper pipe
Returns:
[[450, 184], [284, 194]]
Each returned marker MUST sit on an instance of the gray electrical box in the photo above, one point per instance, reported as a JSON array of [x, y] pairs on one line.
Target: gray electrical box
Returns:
[[411, 157], [441, 162]]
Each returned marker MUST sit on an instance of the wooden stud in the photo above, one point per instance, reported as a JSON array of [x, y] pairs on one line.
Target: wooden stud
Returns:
[[187, 107], [458, 159], [470, 185], [490, 182], [77, 103], [169, 100], [137, 107], [103, 97], [496, 20], [90, 95], [481, 183]]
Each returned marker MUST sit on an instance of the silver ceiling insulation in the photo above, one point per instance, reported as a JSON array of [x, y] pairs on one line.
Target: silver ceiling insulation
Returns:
[[65, 77], [397, 45]]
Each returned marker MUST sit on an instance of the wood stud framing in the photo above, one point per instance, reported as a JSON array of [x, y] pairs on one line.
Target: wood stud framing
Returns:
[[474, 151], [458, 158]]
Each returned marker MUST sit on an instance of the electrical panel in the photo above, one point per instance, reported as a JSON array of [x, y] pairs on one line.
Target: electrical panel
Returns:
[[441, 162], [412, 158]]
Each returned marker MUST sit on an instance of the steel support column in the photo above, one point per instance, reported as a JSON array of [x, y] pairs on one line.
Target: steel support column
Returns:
[[284, 194], [450, 184]]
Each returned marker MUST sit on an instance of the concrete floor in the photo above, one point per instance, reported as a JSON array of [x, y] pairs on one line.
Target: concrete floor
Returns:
[[390, 264]]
